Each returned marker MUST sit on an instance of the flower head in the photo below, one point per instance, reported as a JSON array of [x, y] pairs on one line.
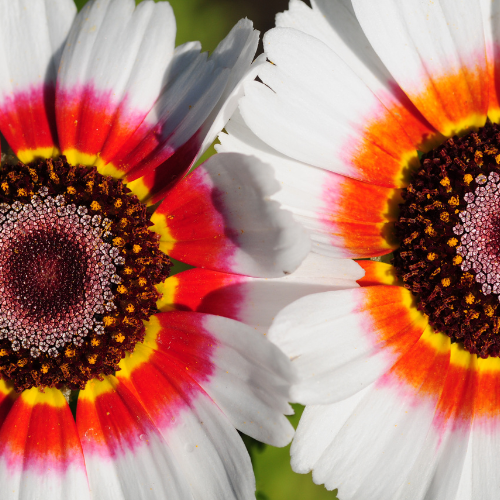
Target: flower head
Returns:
[[104, 118], [380, 120]]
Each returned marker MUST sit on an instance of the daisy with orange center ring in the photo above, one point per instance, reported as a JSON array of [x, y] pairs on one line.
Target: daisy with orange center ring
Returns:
[[380, 123]]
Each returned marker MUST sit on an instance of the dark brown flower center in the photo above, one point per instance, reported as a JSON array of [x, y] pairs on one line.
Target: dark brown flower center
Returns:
[[78, 269], [449, 231]]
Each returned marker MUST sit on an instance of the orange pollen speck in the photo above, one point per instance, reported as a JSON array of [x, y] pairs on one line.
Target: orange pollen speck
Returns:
[[489, 310], [432, 256], [430, 231], [108, 320], [136, 248], [452, 242], [469, 298], [478, 158], [119, 337], [445, 282], [95, 206], [121, 289]]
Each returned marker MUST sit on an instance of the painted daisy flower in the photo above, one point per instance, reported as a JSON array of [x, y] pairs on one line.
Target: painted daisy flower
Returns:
[[380, 120], [106, 118]]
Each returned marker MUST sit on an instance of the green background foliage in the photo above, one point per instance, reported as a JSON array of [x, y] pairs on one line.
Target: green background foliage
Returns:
[[209, 21]]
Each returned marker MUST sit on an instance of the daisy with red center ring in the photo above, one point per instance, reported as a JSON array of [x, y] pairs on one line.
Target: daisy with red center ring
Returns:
[[104, 116], [379, 119]]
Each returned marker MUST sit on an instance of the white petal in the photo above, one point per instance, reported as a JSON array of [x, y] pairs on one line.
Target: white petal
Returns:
[[236, 52], [120, 49], [465, 486], [265, 298], [271, 243], [342, 341], [374, 442], [486, 456], [301, 185], [211, 453], [31, 39], [375, 449], [251, 381], [125, 456], [335, 24], [40, 452], [422, 43], [318, 426], [207, 448], [328, 271], [437, 470]]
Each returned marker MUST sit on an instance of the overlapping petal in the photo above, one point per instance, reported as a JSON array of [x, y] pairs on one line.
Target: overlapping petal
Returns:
[[192, 109], [220, 217], [345, 217], [354, 337], [254, 301], [298, 114], [165, 425], [237, 367], [163, 107]]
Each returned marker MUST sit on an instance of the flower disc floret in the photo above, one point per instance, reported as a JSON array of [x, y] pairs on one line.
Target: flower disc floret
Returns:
[[449, 231], [78, 269]]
